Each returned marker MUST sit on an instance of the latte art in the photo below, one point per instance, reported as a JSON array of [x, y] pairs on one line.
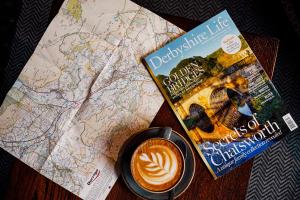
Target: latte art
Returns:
[[160, 167], [157, 165]]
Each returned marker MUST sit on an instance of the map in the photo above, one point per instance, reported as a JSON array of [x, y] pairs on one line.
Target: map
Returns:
[[83, 92]]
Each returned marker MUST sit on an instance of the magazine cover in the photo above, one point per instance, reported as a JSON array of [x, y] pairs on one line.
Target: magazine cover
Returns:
[[220, 93]]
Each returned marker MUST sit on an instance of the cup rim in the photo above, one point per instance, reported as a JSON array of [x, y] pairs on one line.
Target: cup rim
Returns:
[[183, 164]]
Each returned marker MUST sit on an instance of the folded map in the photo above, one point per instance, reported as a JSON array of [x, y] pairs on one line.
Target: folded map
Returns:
[[83, 92]]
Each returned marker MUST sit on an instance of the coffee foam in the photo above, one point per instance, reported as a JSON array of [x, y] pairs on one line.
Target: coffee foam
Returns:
[[157, 165]]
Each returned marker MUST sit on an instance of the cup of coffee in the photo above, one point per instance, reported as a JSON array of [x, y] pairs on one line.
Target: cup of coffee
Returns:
[[157, 165]]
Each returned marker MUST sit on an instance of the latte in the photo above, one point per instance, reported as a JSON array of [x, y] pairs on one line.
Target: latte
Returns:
[[157, 165]]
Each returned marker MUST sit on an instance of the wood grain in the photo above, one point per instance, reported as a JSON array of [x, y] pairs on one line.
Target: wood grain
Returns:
[[25, 183]]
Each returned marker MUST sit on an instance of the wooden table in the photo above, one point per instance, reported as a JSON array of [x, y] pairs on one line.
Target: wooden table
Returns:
[[25, 183]]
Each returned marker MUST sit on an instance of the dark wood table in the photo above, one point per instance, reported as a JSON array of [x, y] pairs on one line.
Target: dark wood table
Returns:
[[25, 183]]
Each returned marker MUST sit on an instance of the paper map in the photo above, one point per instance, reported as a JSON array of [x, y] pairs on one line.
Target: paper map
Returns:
[[83, 92]]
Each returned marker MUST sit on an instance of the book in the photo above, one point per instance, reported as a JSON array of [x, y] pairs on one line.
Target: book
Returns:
[[220, 94]]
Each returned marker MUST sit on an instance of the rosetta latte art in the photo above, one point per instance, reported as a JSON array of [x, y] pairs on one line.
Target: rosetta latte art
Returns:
[[159, 166]]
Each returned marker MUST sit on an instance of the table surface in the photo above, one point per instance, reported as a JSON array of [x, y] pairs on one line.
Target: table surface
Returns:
[[25, 183]]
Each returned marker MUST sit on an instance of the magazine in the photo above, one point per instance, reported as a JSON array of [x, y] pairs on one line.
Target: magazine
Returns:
[[220, 93]]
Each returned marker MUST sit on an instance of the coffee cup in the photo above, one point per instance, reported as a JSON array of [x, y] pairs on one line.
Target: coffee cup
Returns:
[[157, 164]]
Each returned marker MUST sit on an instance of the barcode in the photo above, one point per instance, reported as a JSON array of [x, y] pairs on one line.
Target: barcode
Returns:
[[290, 121]]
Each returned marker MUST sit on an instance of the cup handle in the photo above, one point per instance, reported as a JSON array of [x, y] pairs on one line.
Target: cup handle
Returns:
[[166, 132]]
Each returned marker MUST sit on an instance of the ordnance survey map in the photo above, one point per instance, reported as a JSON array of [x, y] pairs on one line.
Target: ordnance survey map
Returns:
[[83, 92]]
